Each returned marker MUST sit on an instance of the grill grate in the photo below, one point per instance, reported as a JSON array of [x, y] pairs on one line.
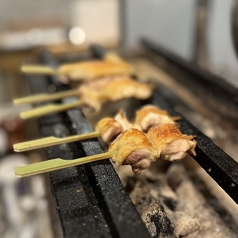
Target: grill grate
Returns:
[[90, 198]]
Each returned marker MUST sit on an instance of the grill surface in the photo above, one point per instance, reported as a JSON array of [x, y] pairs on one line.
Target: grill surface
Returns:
[[220, 166], [90, 199]]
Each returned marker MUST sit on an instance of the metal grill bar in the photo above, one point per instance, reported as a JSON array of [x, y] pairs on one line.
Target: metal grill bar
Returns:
[[90, 199], [220, 166]]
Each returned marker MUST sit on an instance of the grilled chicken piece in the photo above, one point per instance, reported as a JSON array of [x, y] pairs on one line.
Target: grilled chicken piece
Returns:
[[170, 143], [139, 149], [97, 92], [135, 148], [150, 116], [112, 57], [125, 123], [127, 88], [109, 129], [95, 69]]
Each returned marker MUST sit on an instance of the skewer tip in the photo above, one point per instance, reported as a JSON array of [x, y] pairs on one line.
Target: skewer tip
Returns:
[[38, 69], [15, 101]]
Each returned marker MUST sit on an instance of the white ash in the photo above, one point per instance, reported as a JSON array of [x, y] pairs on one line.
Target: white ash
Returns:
[[152, 212], [192, 216], [194, 205]]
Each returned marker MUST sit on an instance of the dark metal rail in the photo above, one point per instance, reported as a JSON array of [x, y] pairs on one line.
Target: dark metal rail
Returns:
[[90, 199], [220, 166]]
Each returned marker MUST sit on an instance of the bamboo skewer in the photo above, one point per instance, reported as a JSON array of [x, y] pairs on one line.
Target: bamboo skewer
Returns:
[[51, 141], [48, 109], [43, 97], [58, 163], [47, 70], [39, 69]]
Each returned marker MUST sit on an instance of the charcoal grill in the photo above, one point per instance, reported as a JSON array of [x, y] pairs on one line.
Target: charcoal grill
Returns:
[[90, 199]]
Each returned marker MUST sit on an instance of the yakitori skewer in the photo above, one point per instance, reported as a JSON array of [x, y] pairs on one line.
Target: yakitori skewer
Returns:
[[95, 93], [132, 147], [150, 115], [89, 70], [107, 128], [107, 87], [140, 149]]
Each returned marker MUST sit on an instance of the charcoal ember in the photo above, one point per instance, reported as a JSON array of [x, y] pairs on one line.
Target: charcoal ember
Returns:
[[152, 212], [159, 188]]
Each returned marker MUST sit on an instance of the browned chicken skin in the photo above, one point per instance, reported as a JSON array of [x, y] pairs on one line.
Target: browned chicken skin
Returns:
[[135, 148], [170, 143], [109, 129], [95, 69], [126, 124], [139, 149], [97, 92], [150, 116]]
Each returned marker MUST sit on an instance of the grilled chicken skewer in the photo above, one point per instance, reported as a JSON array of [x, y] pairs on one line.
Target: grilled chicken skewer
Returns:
[[107, 128], [85, 71], [122, 86], [113, 89], [132, 147], [139, 149], [95, 93]]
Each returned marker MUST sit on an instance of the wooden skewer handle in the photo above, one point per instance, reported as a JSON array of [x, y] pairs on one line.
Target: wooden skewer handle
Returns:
[[56, 164], [51, 141], [48, 109], [43, 97], [38, 69]]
